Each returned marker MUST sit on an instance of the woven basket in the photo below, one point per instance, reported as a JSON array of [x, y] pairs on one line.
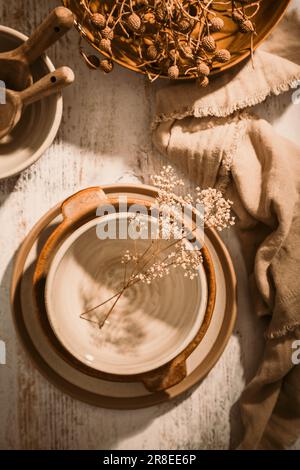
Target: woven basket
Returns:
[[230, 37]]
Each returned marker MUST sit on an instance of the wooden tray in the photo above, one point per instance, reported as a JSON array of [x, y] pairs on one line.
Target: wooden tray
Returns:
[[95, 390], [239, 44]]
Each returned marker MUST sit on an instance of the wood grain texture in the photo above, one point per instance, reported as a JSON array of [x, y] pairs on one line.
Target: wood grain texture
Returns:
[[105, 138], [16, 63], [16, 101]]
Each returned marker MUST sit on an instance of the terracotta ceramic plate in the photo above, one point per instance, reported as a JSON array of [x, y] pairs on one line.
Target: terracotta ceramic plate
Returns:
[[151, 324], [239, 44], [106, 393]]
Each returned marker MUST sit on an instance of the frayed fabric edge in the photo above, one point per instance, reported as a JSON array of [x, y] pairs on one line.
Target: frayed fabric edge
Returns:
[[286, 329], [198, 112]]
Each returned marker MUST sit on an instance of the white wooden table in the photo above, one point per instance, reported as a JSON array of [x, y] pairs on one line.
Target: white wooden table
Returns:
[[105, 138]]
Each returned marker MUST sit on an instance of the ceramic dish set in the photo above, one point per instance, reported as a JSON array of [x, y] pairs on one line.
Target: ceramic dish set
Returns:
[[159, 342], [163, 338]]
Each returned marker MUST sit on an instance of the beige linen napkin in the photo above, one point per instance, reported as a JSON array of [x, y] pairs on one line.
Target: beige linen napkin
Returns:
[[213, 136]]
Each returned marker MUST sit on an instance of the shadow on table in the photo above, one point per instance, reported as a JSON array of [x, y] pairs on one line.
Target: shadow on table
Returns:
[[249, 330]]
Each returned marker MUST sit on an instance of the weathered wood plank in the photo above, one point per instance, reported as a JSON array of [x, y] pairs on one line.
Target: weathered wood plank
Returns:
[[104, 138]]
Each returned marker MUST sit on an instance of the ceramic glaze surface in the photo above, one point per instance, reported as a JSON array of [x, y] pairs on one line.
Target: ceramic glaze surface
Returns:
[[150, 325]]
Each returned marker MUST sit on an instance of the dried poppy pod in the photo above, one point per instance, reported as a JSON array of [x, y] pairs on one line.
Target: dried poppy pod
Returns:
[[209, 43], [237, 17], [142, 28], [203, 82], [184, 25], [105, 45], [107, 33], [187, 51], [223, 55], [152, 52], [216, 24], [134, 22], [202, 69], [106, 65], [173, 72], [98, 20], [247, 26], [160, 13]]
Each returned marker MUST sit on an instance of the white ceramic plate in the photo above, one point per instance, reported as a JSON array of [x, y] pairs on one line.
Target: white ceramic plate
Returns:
[[39, 124], [150, 325]]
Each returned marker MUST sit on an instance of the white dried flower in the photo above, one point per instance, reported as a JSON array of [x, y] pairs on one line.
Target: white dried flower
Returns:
[[217, 209]]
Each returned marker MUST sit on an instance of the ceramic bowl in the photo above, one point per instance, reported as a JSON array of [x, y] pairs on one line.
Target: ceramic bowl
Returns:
[[40, 122], [151, 324]]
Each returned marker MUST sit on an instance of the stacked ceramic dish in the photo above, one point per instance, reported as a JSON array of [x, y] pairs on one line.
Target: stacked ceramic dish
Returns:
[[159, 341]]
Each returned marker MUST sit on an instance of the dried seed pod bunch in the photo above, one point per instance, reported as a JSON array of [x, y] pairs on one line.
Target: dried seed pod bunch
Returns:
[[171, 37]]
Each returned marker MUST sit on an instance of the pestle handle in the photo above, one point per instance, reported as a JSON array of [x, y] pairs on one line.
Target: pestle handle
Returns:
[[48, 85], [54, 26]]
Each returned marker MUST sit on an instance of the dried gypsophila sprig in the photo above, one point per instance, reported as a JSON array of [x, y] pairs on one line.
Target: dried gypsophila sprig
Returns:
[[216, 209], [157, 260], [170, 37]]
